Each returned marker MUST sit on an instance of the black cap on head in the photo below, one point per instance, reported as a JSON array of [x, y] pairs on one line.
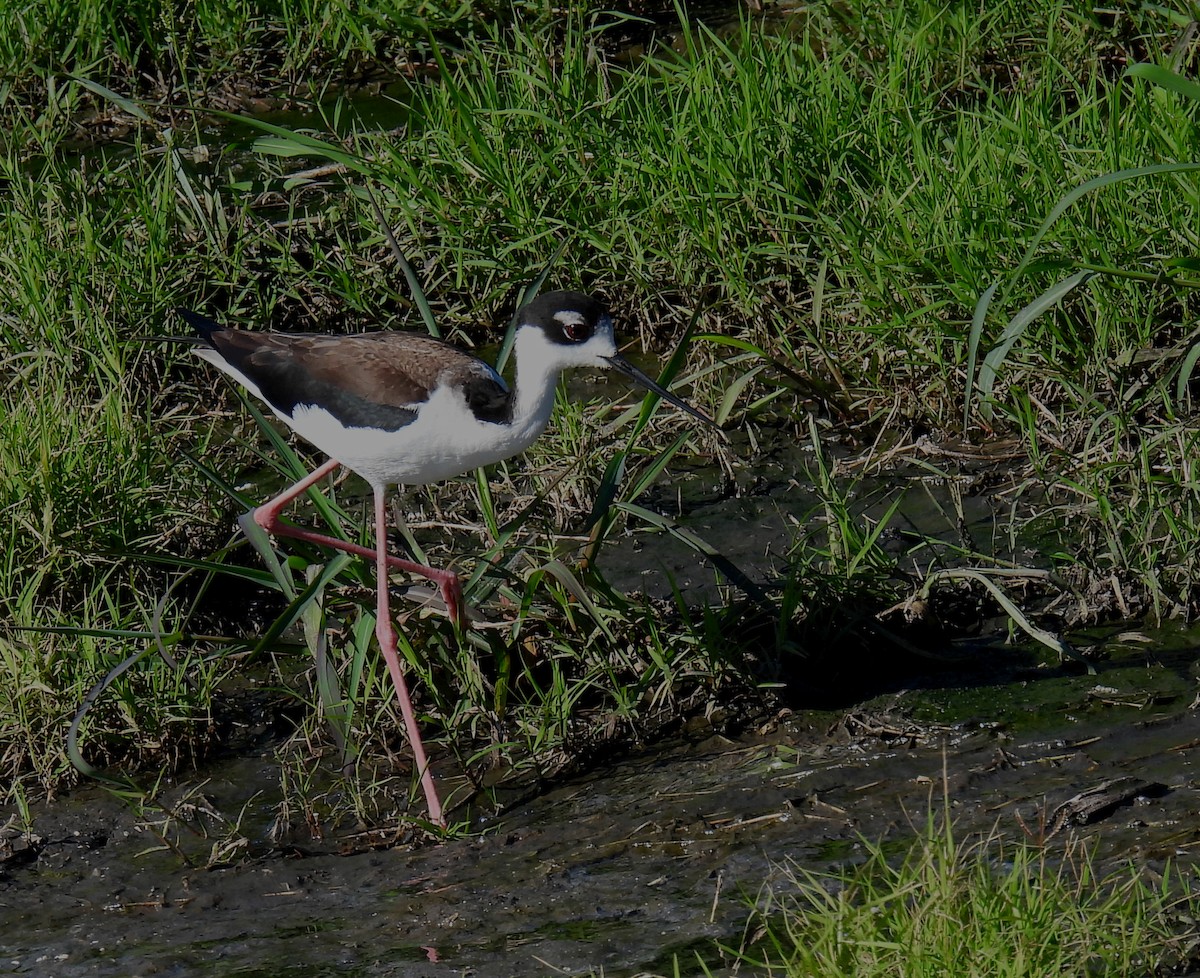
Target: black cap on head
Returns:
[[565, 317], [544, 306]]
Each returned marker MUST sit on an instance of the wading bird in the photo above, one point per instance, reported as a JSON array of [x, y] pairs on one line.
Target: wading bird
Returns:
[[407, 409]]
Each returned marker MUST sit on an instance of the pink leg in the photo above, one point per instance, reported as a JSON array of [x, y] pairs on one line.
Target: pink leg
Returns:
[[267, 516], [386, 634]]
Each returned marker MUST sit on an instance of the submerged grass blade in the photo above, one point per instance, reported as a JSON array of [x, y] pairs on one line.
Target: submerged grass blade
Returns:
[[734, 574], [1040, 635]]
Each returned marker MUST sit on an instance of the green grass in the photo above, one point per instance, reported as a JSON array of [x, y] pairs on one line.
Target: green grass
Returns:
[[165, 51], [981, 909], [833, 198]]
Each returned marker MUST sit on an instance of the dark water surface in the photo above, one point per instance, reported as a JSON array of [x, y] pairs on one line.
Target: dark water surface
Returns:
[[654, 855]]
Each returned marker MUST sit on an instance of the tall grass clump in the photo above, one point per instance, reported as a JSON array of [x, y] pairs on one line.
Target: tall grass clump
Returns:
[[1113, 439], [983, 909], [89, 455], [754, 169]]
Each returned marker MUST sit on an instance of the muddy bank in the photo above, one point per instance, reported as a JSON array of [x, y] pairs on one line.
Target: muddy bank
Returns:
[[655, 855]]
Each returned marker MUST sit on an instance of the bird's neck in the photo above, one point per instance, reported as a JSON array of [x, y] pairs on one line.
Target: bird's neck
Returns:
[[533, 389]]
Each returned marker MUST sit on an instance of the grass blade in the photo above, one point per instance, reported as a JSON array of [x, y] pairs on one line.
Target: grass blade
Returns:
[[733, 573], [528, 294], [977, 320], [1016, 327], [1185, 373], [410, 273], [1040, 635], [1097, 183], [561, 573], [1165, 78], [126, 105], [281, 141]]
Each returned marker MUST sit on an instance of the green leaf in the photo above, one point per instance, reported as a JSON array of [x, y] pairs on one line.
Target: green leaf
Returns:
[[649, 475], [126, 105], [281, 141], [336, 706], [977, 321], [1040, 635], [1185, 373], [1185, 264], [410, 273], [312, 592], [1097, 183], [1017, 326], [1165, 78], [72, 745], [527, 295], [560, 572]]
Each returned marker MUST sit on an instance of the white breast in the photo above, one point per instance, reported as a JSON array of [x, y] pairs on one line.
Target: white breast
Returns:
[[445, 440]]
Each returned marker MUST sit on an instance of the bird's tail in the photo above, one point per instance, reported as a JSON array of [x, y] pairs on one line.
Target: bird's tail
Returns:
[[204, 326]]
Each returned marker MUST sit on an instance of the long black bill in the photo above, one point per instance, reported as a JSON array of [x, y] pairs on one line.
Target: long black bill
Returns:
[[621, 365]]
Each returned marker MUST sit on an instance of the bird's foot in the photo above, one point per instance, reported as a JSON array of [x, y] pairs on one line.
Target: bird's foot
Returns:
[[452, 594]]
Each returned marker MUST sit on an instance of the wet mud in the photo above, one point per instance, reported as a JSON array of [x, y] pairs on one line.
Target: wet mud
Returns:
[[654, 857], [648, 864]]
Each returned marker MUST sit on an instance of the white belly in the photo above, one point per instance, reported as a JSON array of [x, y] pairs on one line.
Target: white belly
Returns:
[[445, 440]]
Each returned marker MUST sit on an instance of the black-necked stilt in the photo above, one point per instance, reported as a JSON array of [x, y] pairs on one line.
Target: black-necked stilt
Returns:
[[402, 408]]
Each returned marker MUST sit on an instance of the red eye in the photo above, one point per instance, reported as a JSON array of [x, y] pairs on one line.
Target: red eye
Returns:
[[576, 332]]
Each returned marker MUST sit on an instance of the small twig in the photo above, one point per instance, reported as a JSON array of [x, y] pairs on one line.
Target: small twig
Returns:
[[712, 915]]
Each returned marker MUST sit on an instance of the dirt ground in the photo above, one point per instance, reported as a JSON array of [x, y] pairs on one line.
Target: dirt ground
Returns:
[[651, 856]]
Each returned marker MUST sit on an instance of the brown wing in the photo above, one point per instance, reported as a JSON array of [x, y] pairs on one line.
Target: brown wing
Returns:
[[376, 380]]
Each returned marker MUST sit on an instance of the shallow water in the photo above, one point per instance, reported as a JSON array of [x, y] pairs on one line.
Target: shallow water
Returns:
[[653, 855]]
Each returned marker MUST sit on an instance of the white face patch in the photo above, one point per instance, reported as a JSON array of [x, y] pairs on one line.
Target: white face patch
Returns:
[[570, 317]]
